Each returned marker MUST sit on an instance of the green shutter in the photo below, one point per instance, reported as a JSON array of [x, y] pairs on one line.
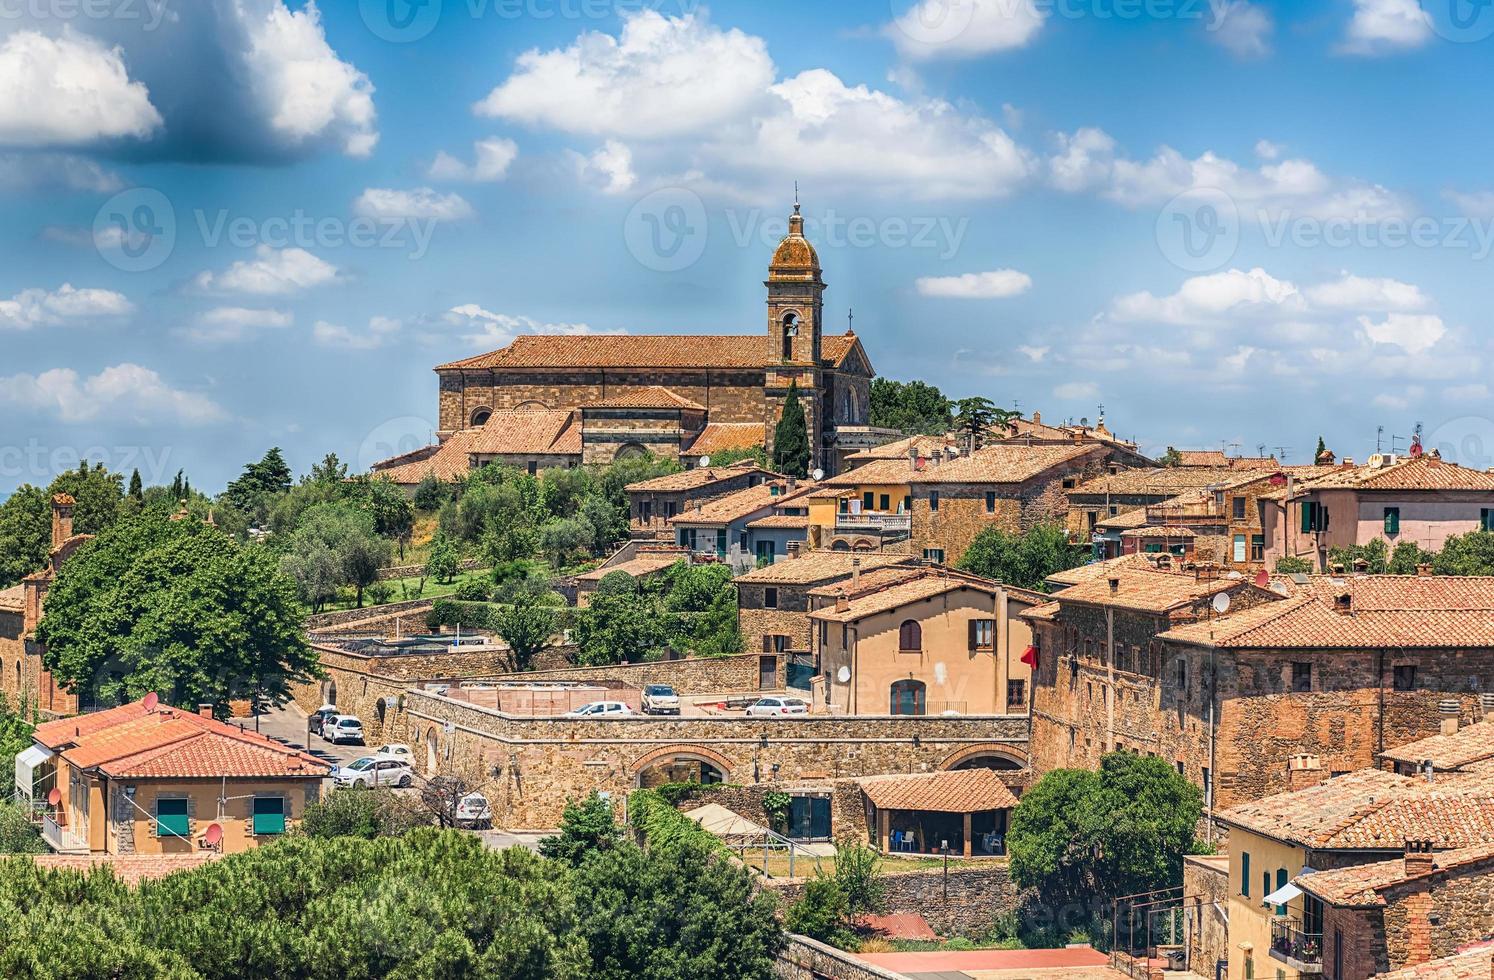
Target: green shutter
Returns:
[[1486, 519], [1392, 520], [172, 819], [1308, 507], [1281, 880], [269, 815], [1245, 874]]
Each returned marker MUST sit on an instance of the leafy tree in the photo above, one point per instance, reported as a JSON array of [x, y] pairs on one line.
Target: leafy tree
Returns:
[[754, 454], [1084, 838], [393, 514], [25, 534], [335, 545], [1466, 554], [442, 565], [18, 835], [1172, 458], [364, 813], [1375, 554], [821, 912], [330, 470], [586, 826], [1293, 565], [975, 417], [527, 626], [563, 539], [16, 727], [431, 493], [98, 494], [622, 624], [913, 407], [179, 608], [791, 450], [257, 487], [1022, 560], [1406, 558], [137, 488], [858, 871], [703, 604]]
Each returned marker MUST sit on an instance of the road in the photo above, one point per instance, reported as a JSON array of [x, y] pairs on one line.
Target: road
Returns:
[[288, 724]]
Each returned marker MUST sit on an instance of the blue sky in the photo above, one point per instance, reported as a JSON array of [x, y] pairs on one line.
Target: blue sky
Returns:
[[233, 224]]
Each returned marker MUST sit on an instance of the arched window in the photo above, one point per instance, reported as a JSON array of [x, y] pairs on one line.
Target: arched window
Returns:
[[481, 416], [910, 636], [790, 331], [908, 697]]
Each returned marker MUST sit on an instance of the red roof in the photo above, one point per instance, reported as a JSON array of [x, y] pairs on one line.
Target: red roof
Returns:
[[643, 351]]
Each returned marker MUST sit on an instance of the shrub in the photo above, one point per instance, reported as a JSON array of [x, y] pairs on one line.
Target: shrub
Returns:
[[585, 826], [472, 590], [380, 592], [360, 813], [17, 834], [821, 913]]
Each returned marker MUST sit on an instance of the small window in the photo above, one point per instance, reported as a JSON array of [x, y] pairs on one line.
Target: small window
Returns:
[[824, 635], [933, 500], [982, 634], [671, 508], [1392, 520], [269, 811], [1310, 517], [1239, 548], [1405, 677], [990, 501], [1069, 483], [935, 555], [910, 637], [1301, 677], [770, 597], [908, 698], [1237, 506], [533, 468], [1016, 695], [1245, 874], [867, 500], [1182, 675], [884, 503], [171, 818], [1257, 547]]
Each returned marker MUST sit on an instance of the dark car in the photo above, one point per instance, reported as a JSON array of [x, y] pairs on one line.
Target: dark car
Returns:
[[317, 717]]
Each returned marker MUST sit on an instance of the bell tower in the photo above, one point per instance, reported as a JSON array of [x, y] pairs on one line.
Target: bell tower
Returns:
[[796, 308]]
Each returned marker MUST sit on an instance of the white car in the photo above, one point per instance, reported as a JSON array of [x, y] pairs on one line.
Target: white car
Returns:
[[343, 728], [474, 811], [777, 707], [660, 699], [602, 709], [371, 771], [398, 751]]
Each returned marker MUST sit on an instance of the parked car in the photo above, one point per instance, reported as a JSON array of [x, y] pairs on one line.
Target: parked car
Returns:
[[343, 728], [602, 709], [371, 771], [395, 750], [660, 699], [777, 707], [319, 717], [474, 811]]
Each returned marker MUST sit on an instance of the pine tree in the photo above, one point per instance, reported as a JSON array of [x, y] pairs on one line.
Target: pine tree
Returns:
[[791, 438], [1322, 448], [137, 488]]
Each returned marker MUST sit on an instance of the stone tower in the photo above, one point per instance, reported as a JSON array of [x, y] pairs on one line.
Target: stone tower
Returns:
[[796, 306]]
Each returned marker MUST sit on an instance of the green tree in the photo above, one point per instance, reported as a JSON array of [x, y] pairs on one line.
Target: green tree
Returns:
[[18, 835], [1407, 557], [257, 487], [565, 539], [821, 912], [442, 565], [702, 603], [137, 488], [1375, 554], [179, 608], [622, 624], [431, 493], [364, 813], [858, 872], [586, 826], [1466, 554], [98, 494], [791, 450], [335, 545], [753, 454], [976, 417], [1172, 458], [913, 407], [1317, 454], [1022, 560], [25, 534], [16, 727], [527, 625], [1293, 565]]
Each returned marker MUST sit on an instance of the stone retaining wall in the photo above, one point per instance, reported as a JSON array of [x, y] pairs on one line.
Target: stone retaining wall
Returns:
[[531, 767], [415, 571], [689, 677], [321, 621], [1206, 895], [976, 896], [808, 959]]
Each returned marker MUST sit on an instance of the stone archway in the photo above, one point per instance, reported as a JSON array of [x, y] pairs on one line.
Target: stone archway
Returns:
[[531, 406], [986, 755], [629, 450], [663, 757], [432, 756], [480, 416]]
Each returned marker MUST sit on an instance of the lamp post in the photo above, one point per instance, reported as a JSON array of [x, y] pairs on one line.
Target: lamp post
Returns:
[[944, 849]]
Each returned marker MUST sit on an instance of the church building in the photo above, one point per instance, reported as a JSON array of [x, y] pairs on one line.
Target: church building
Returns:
[[546, 401]]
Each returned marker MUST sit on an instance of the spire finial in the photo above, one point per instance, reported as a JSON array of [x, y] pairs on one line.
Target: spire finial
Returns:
[[796, 197], [850, 320]]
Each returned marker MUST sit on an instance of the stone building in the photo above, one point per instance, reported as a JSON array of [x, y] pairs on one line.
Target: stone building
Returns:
[[773, 602], [23, 679], [652, 503], [1338, 670], [741, 527], [665, 394], [1455, 749]]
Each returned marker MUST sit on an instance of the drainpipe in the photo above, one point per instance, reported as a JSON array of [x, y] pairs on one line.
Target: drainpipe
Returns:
[[1110, 671], [1213, 726]]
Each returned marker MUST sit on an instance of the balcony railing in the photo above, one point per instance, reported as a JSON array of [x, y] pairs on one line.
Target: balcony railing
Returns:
[[61, 839], [1303, 951], [881, 523]]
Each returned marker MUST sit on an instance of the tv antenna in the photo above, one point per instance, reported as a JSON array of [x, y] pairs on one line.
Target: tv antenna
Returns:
[[1281, 453], [1379, 437]]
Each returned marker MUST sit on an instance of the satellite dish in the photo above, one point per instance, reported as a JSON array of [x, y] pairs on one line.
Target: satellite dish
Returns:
[[818, 475], [54, 797], [1376, 461], [150, 701], [214, 835], [1221, 603], [705, 461], [843, 675], [1263, 578]]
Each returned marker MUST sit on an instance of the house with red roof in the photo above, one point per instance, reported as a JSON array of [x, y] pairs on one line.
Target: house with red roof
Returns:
[[145, 779]]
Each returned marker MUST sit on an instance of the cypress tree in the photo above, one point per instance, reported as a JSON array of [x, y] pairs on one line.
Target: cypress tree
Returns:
[[791, 438]]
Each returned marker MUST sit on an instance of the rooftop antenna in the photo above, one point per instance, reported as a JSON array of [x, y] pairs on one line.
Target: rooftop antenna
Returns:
[[1260, 450], [1379, 437], [1394, 439], [1281, 453], [796, 197]]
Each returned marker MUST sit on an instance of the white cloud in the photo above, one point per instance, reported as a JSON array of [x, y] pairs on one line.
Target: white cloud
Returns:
[[381, 330], [1240, 27], [1034, 354], [68, 90], [1474, 204], [1214, 298], [997, 284], [1359, 293], [384, 204], [491, 159], [1413, 333], [663, 76], [1089, 160], [488, 330], [305, 90], [1381, 26], [964, 28], [273, 272], [609, 169], [1399, 401], [230, 324], [39, 308], [1465, 393], [1077, 390], [124, 392], [29, 171]]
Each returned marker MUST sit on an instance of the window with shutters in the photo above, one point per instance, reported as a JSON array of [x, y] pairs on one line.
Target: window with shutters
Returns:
[[908, 697], [269, 815], [990, 501], [1257, 547], [1486, 519], [1392, 520], [933, 500], [172, 818], [982, 634], [1238, 508], [1245, 874], [866, 500], [910, 637]]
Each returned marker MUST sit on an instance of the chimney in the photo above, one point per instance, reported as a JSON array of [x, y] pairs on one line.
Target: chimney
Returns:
[[62, 518], [1115, 584], [1433, 462], [1418, 857], [1361, 566], [1304, 770], [1348, 462], [913, 456], [1343, 604], [842, 604], [1037, 418], [1423, 570], [205, 710], [793, 484], [1451, 711], [794, 548], [855, 572]]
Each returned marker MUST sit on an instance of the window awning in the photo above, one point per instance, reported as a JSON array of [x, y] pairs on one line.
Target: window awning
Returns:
[[26, 764], [1283, 894]]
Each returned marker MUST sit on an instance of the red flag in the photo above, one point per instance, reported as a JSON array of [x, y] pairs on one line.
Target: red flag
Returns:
[[1030, 657]]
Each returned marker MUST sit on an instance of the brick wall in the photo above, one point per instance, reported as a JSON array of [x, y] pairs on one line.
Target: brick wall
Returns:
[[1430, 918]]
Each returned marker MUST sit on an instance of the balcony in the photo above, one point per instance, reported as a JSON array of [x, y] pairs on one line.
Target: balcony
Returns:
[[1302, 951], [873, 523], [61, 839]]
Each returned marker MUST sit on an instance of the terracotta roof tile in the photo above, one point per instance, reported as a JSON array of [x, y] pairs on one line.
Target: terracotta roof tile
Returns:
[[1124, 520], [780, 522], [1472, 964], [1425, 472], [930, 585], [694, 479], [642, 351], [1147, 590], [871, 581], [819, 566], [654, 396], [742, 503], [958, 791], [521, 432], [1470, 744], [645, 563], [1164, 481], [1202, 457], [999, 463], [1158, 531], [13, 599], [1359, 886], [719, 437], [1099, 570], [926, 446]]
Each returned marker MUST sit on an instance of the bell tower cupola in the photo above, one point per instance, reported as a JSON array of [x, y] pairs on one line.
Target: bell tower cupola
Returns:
[[795, 297]]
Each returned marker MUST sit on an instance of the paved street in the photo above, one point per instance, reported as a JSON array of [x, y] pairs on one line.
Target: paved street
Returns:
[[288, 724]]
